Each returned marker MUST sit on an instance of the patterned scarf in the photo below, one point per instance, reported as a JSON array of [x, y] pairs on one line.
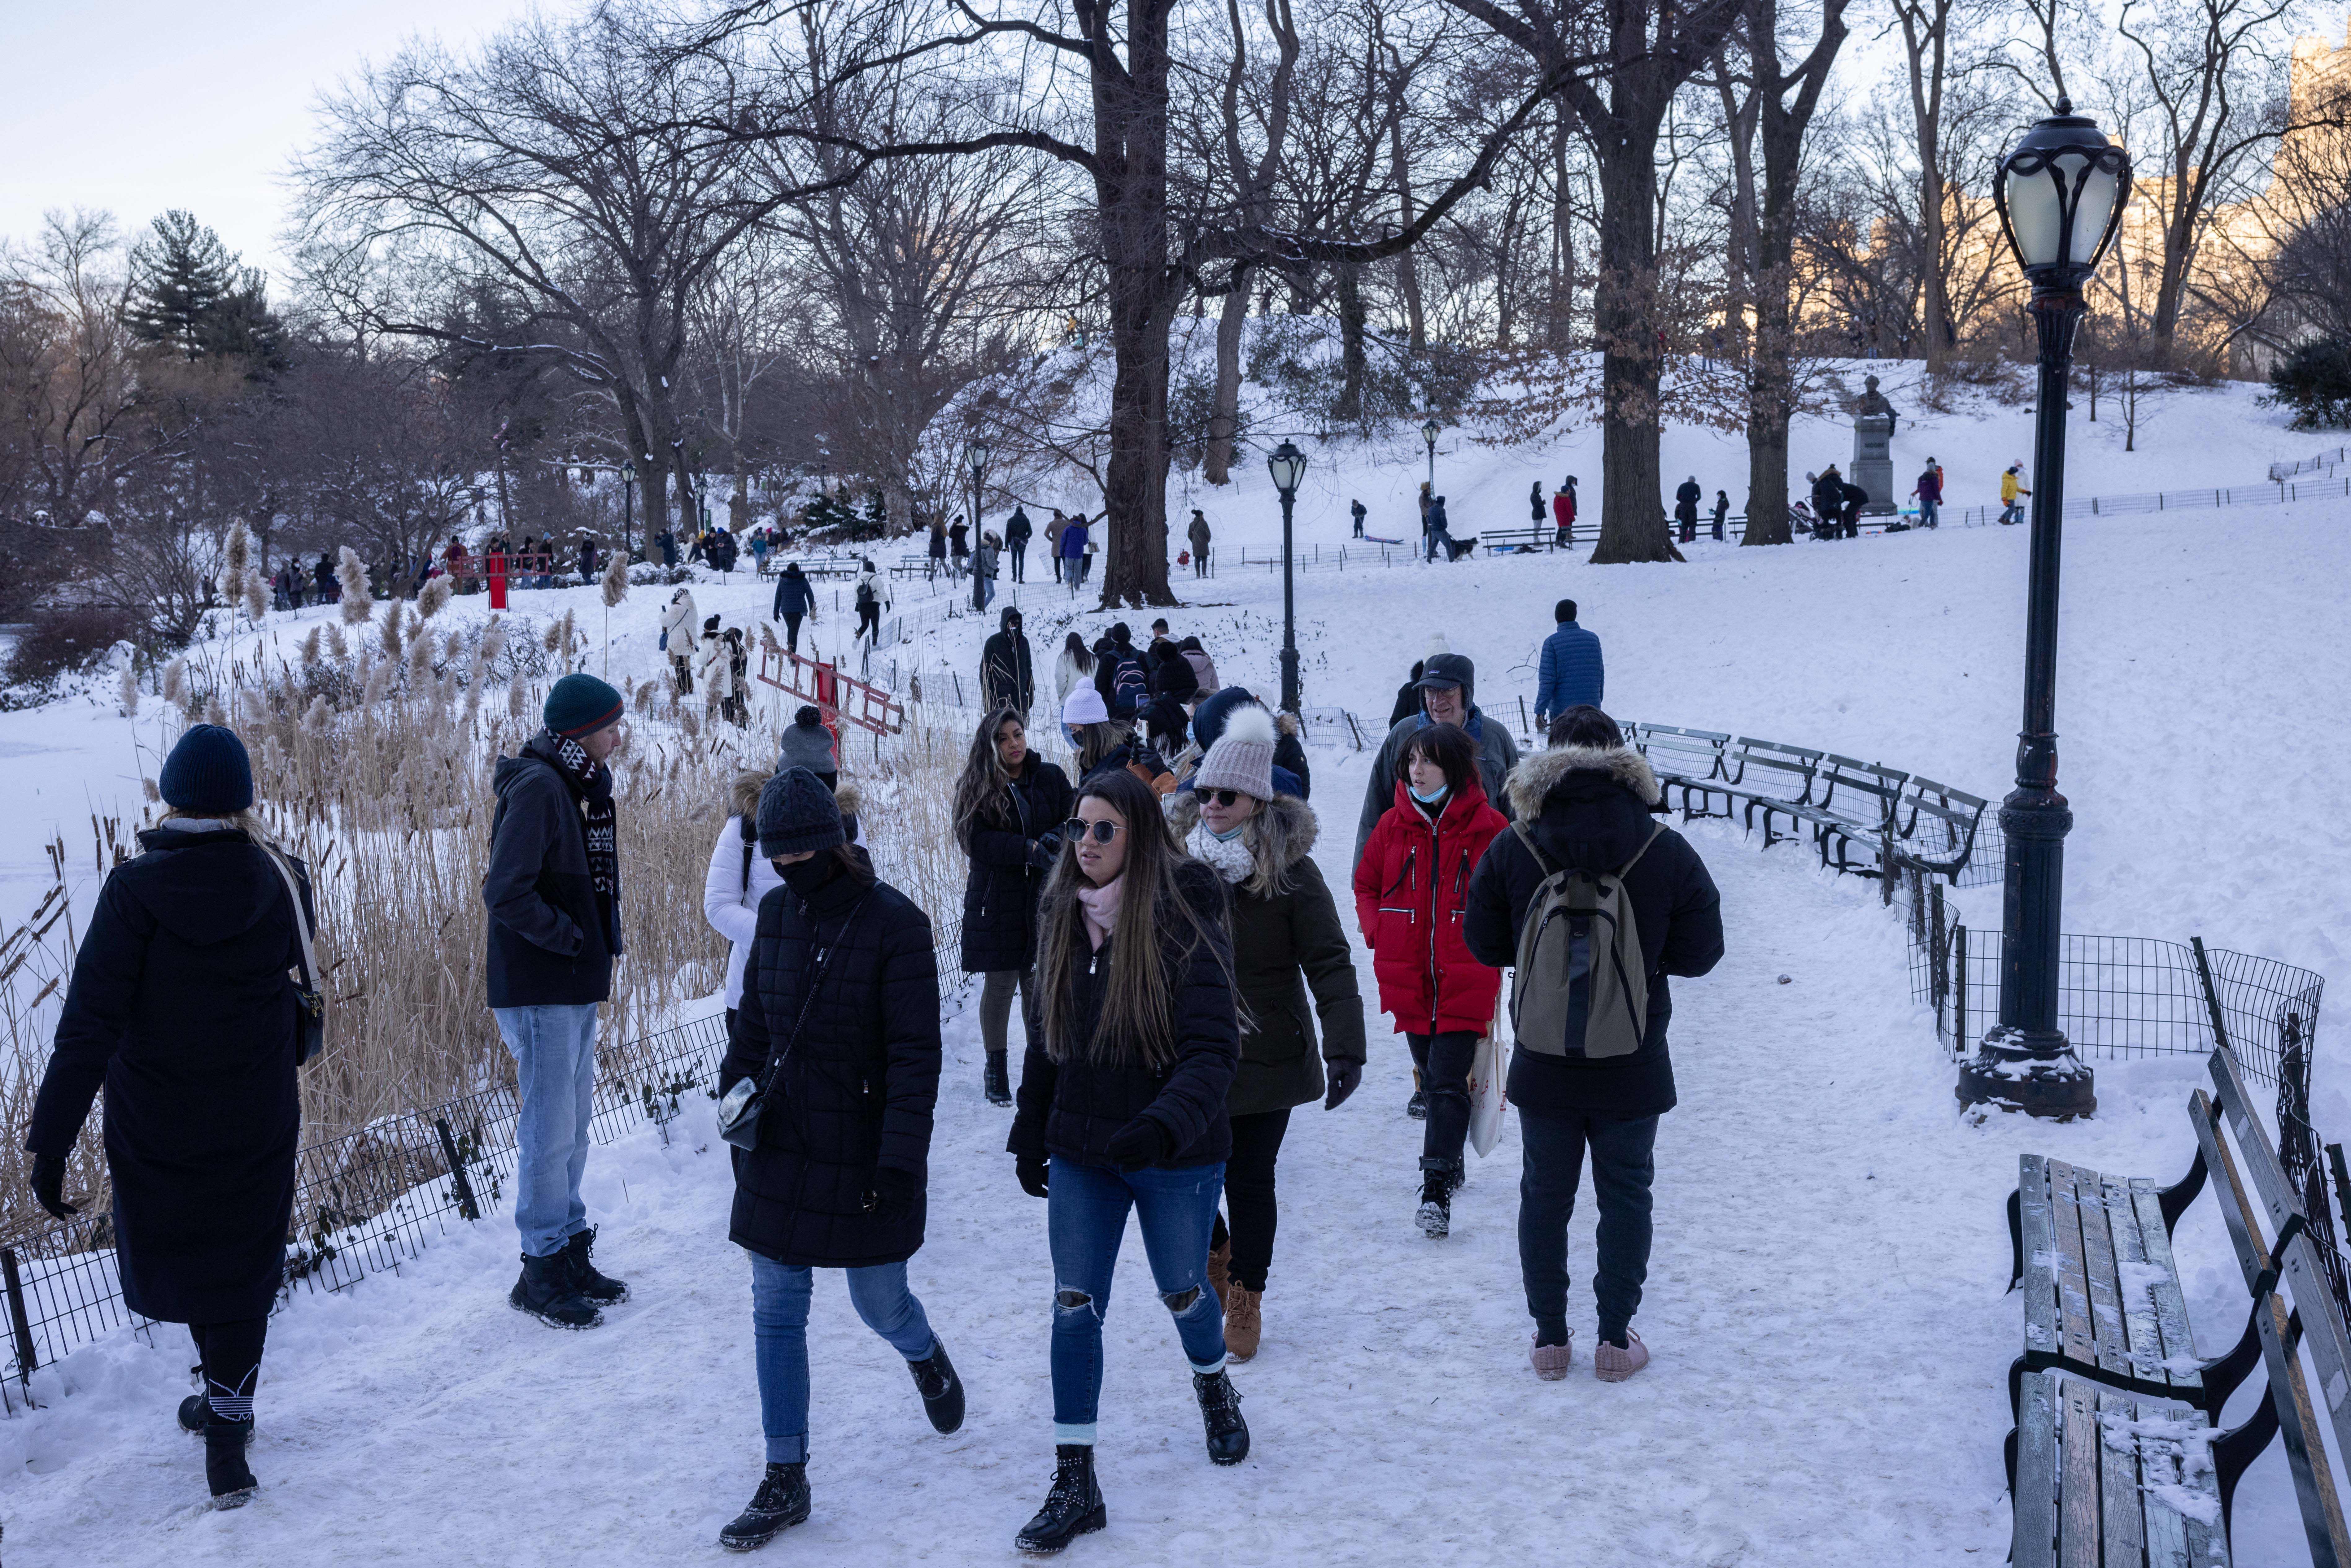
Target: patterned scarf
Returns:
[[592, 785]]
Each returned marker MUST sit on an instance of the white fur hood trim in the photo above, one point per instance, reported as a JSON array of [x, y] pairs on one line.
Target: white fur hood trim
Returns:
[[1537, 775]]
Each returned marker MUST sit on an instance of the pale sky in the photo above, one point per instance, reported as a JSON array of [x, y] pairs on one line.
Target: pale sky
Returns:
[[138, 106]]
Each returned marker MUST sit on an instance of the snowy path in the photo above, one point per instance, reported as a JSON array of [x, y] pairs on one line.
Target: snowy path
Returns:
[[1826, 1306]]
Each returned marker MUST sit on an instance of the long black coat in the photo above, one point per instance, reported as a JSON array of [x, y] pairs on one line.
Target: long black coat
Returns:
[[1008, 872], [857, 1090], [182, 1008], [1005, 678], [550, 944], [1593, 808], [1072, 1108]]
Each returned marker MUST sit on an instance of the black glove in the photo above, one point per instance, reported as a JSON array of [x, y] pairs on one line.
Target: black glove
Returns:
[[49, 1186], [1031, 1172], [1138, 1144], [896, 1192], [1345, 1076]]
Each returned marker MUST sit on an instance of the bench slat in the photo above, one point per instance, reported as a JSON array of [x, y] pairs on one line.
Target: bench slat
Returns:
[[2040, 1233], [2073, 1283], [2143, 1336], [2034, 1543], [2123, 1506], [2171, 1306], [2107, 1330], [2078, 1517]]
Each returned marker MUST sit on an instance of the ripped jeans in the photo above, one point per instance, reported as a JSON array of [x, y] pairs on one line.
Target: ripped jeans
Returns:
[[1086, 1220]]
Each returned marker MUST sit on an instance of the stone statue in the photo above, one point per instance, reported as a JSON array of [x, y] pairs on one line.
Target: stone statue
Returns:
[[1873, 438]]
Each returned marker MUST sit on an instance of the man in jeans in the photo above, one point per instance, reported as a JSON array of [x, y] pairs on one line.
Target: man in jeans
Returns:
[[1590, 801], [553, 891]]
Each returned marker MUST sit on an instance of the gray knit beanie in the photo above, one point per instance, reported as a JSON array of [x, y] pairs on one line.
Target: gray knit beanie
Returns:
[[1242, 758], [797, 812], [806, 744]]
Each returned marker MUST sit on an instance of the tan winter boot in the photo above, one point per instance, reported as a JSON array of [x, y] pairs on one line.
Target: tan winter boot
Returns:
[[1244, 1322], [1220, 1278]]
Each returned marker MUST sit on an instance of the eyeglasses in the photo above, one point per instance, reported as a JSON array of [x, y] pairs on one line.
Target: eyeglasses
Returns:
[[1225, 798], [1104, 830]]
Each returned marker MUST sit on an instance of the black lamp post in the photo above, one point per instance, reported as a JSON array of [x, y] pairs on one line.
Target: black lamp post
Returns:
[[2060, 195], [1429, 433], [628, 503], [1288, 466]]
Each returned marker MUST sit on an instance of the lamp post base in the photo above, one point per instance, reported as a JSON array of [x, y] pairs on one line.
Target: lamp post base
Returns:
[[2021, 1069]]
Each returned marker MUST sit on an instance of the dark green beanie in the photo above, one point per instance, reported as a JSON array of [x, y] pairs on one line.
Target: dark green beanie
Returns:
[[582, 705]]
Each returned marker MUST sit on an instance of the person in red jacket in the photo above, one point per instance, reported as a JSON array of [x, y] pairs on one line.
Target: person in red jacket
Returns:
[[1411, 887]]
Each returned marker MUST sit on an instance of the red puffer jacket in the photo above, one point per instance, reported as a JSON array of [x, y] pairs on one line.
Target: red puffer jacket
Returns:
[[1411, 887]]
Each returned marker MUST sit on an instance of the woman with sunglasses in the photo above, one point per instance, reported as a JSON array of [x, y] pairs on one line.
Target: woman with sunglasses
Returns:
[[1007, 804], [1123, 1107], [1411, 888], [1285, 929]]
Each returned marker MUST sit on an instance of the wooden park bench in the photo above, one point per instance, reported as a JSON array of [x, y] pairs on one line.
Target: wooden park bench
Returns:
[[1525, 540], [2117, 1456], [913, 566], [1697, 762], [1856, 801]]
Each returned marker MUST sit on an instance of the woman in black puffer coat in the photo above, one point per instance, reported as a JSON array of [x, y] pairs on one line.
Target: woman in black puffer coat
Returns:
[[1122, 1106], [840, 1011], [181, 1007], [1009, 806]]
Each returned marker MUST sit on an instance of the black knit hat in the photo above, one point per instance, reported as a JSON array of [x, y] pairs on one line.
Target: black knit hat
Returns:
[[797, 812], [580, 705], [208, 773]]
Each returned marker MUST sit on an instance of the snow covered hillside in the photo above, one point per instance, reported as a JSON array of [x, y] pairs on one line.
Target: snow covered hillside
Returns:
[[1825, 1302]]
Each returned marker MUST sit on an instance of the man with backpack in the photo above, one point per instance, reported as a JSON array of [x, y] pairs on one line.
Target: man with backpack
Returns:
[[1121, 675], [1593, 904]]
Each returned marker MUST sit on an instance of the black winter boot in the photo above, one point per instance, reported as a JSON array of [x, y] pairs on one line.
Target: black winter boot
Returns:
[[1220, 1412], [196, 1413], [600, 1289], [545, 1291], [942, 1390], [1072, 1507], [1439, 1178], [1418, 1106], [226, 1470], [997, 1082], [782, 1502]]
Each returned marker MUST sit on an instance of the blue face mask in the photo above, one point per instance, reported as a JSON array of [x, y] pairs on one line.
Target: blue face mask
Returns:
[[1229, 835], [1442, 792]]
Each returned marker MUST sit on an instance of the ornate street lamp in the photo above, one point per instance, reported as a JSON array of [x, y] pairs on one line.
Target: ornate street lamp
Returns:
[[1287, 466], [2060, 195], [1429, 433], [975, 453]]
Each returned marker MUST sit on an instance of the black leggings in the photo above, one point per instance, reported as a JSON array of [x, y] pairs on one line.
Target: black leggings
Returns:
[[869, 620], [1248, 1193], [231, 1353], [1443, 1061], [792, 631]]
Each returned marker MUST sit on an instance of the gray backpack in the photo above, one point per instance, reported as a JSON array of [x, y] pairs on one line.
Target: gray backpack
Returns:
[[1582, 989]]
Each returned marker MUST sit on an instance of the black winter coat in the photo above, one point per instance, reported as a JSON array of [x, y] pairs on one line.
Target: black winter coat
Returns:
[[181, 1007], [1072, 1108], [1006, 678], [794, 594], [1172, 675], [1593, 808], [1686, 501], [858, 1089], [1008, 870], [548, 943]]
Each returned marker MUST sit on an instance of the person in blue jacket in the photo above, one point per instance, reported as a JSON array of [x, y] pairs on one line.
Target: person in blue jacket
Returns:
[[1572, 673], [795, 597]]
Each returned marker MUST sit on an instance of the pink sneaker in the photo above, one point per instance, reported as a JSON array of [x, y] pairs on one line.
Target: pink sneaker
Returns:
[[1551, 1361], [1612, 1366]]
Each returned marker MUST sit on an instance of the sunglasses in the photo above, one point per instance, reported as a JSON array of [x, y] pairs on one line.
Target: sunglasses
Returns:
[[1225, 798], [1075, 829]]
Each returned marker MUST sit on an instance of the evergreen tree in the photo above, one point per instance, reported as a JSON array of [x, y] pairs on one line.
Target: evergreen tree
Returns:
[[193, 297]]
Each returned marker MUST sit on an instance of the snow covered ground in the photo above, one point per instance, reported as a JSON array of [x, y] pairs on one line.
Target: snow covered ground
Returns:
[[1825, 1302]]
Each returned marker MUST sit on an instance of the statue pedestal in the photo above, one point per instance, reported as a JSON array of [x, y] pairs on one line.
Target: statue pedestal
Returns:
[[1872, 461]]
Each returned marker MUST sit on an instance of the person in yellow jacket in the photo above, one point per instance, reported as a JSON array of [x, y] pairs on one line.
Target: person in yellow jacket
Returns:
[[2012, 485]]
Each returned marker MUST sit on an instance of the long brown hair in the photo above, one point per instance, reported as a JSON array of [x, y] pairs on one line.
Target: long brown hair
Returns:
[[1137, 1026], [1098, 740], [979, 788]]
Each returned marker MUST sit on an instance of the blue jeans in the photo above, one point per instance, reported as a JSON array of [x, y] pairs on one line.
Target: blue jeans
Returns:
[[555, 1070], [1085, 1219], [779, 1314], [1930, 513], [1623, 1167]]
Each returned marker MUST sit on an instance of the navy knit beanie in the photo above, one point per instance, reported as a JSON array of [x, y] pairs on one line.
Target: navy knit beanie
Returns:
[[579, 705], [797, 812], [208, 773]]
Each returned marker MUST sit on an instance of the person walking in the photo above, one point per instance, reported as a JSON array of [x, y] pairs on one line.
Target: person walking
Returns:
[[1411, 886], [937, 561], [1006, 679], [1105, 744], [838, 1031], [1053, 543], [759, 552], [322, 576], [983, 570], [2011, 491], [1687, 497], [958, 549], [1287, 940], [1086, 558], [667, 542], [738, 678], [715, 664], [1074, 543], [1121, 675], [1291, 773], [1439, 532], [1446, 688], [184, 1006], [1074, 667], [677, 624], [737, 879], [1204, 668], [553, 892], [1121, 1106], [1571, 671], [1721, 517], [1928, 493], [1356, 511], [1563, 515], [795, 598], [1535, 501], [1585, 806], [1199, 536], [1010, 805], [868, 603], [1172, 677], [1018, 531]]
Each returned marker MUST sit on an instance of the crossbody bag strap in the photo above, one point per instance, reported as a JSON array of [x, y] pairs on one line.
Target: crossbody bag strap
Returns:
[[301, 924], [776, 1063]]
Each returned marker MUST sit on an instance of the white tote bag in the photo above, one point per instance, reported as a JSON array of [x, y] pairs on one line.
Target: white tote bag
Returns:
[[1488, 1101]]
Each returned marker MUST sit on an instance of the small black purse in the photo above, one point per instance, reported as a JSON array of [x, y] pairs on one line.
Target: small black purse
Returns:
[[739, 1107], [309, 1001]]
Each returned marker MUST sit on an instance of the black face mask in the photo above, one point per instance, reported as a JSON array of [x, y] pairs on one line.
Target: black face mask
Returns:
[[804, 877]]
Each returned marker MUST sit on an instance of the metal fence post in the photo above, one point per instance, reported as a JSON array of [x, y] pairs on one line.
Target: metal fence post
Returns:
[[18, 1323], [2211, 996], [1960, 989], [466, 1207]]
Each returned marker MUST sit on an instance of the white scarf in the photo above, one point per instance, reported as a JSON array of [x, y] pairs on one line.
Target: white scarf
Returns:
[[1229, 858]]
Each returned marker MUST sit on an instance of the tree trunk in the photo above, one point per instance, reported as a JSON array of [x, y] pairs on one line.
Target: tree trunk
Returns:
[[1224, 417], [1351, 365], [1559, 334], [1925, 27], [1135, 487], [1408, 270], [1624, 316]]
